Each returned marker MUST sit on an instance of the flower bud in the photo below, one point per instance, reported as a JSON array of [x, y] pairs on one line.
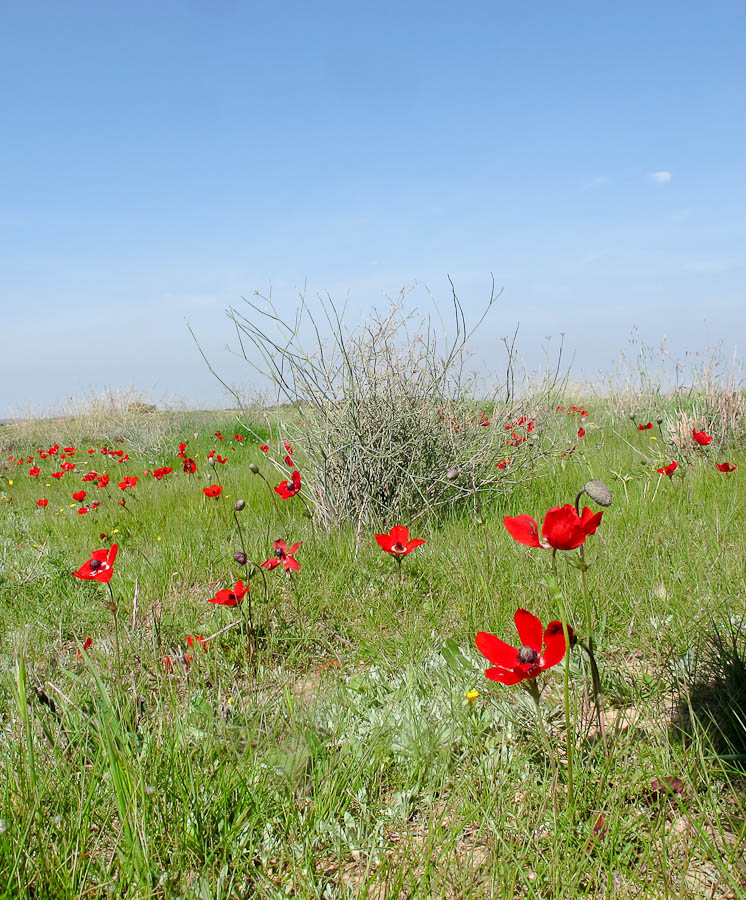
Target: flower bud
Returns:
[[240, 557], [239, 505], [659, 421], [254, 469], [452, 474], [632, 416], [598, 492]]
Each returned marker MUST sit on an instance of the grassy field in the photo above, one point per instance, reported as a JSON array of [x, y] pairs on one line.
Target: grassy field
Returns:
[[324, 746]]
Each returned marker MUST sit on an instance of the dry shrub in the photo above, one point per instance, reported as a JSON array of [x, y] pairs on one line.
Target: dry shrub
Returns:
[[385, 422]]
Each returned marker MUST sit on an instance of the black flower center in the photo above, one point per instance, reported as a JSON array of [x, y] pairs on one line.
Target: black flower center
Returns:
[[279, 553], [95, 564], [528, 656], [398, 547]]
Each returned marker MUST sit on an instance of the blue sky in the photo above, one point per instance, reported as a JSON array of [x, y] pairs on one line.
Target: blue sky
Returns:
[[159, 161]]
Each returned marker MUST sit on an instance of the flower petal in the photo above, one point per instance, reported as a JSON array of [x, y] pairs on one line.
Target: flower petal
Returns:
[[523, 529], [385, 542], [497, 651], [554, 638], [529, 629], [399, 534], [294, 548], [413, 544], [505, 676]]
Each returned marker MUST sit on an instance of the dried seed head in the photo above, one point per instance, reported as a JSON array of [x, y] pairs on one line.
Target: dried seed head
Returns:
[[632, 416], [240, 557], [452, 474], [598, 492], [211, 461], [659, 421], [239, 505], [254, 469]]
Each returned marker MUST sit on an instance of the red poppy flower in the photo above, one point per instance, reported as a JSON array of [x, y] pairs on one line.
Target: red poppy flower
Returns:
[[214, 490], [284, 556], [238, 437], [288, 448], [91, 476], [701, 438], [230, 597], [581, 432], [190, 466], [504, 463], [87, 643], [68, 467], [645, 427], [42, 502], [290, 487], [57, 474], [669, 469], [264, 448], [219, 436], [79, 495], [82, 510], [221, 459], [289, 462], [196, 642], [512, 665], [102, 481], [397, 541], [159, 473], [100, 567], [727, 467], [563, 529], [129, 481], [69, 450], [34, 472]]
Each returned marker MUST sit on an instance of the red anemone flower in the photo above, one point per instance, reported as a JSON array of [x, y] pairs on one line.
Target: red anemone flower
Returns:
[[34, 472], [397, 542], [159, 473], [563, 528], [264, 448], [221, 459], [79, 496], [238, 437], [230, 597], [214, 490], [190, 466], [290, 487], [100, 567], [129, 481], [42, 502], [284, 556], [669, 469], [645, 427], [196, 642], [581, 432], [512, 665], [701, 438], [726, 466]]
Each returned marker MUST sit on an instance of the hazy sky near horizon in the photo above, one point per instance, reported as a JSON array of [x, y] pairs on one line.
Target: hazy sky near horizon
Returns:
[[160, 161]]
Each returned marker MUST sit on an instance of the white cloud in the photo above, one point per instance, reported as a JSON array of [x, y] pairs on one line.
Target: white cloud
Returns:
[[660, 177]]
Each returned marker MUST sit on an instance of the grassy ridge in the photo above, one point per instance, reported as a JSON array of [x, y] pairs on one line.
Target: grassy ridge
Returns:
[[344, 760]]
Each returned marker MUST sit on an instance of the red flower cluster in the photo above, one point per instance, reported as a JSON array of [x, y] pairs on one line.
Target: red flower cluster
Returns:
[[290, 487], [100, 567], [563, 529], [512, 665], [701, 438], [284, 556], [397, 541], [726, 467], [669, 469], [230, 597]]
